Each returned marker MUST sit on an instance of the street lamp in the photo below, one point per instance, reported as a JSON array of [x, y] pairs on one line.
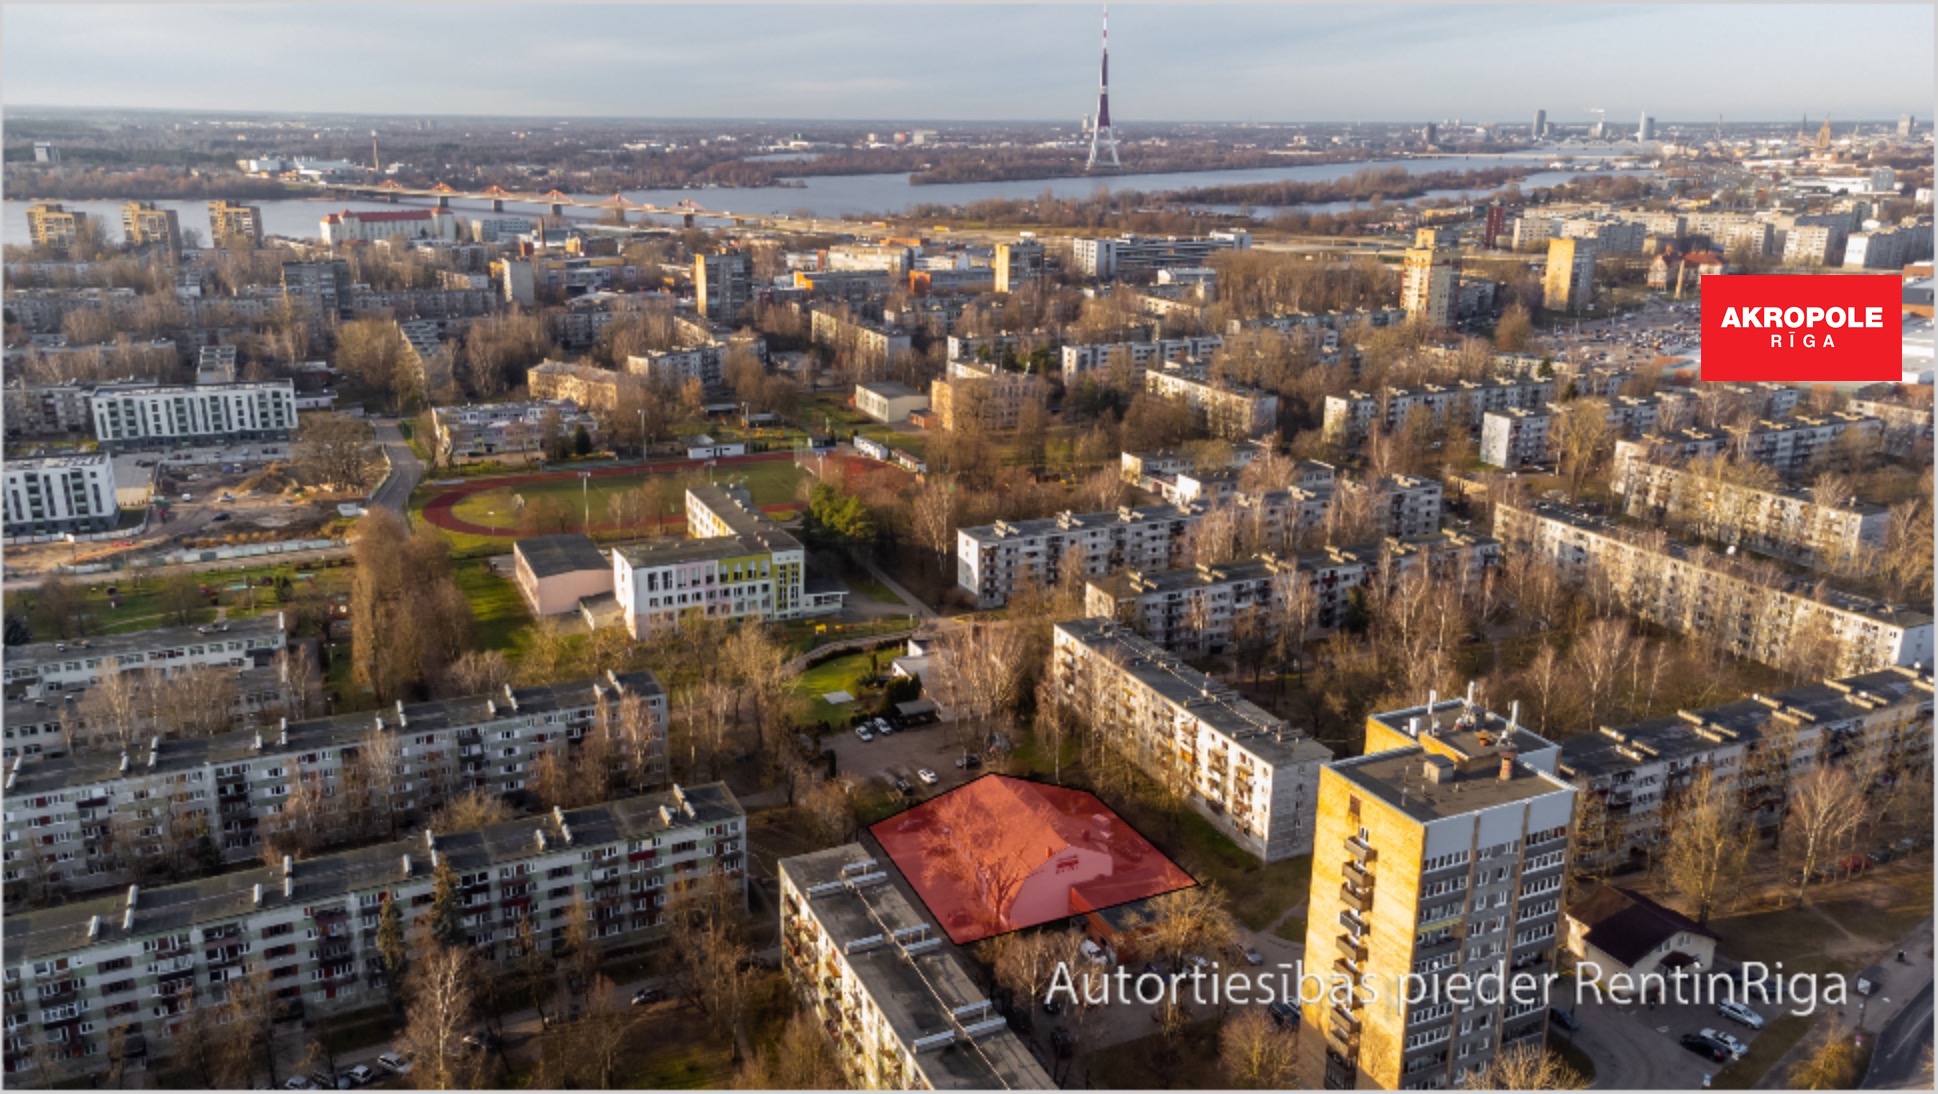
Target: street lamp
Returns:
[[585, 494]]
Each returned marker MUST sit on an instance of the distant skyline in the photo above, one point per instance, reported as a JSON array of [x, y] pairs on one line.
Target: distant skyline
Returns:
[[970, 62]]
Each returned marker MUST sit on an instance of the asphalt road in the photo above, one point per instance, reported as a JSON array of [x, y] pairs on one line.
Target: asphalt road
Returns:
[[406, 470], [1898, 1059]]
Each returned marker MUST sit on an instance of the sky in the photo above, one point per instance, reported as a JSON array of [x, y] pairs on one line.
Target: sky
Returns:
[[975, 62]]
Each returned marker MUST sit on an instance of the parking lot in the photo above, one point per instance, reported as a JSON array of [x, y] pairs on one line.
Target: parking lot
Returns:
[[1638, 1045], [900, 755]]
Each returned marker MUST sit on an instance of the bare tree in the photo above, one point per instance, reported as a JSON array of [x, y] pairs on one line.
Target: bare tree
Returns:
[[1707, 843], [1826, 807], [1255, 1053], [1525, 1067], [442, 994]]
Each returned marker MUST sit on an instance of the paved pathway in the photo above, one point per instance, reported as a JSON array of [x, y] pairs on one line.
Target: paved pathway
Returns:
[[914, 602], [406, 470], [1907, 987]]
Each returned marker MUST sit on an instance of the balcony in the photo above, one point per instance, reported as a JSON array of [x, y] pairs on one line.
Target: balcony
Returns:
[[1359, 901], [1357, 875], [1361, 851], [1353, 949]]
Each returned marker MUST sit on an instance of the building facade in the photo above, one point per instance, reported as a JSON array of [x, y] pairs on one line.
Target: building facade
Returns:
[[1514, 437], [1782, 521], [354, 227], [1429, 274], [723, 284], [1107, 258], [1250, 774], [141, 963], [1684, 590], [54, 495], [1350, 417], [1225, 410], [1018, 264], [1569, 283], [53, 226], [234, 220]]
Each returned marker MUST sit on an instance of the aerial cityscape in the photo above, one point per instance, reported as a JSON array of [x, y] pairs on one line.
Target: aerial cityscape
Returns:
[[963, 547]]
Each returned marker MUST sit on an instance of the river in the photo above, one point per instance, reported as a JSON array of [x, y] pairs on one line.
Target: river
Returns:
[[833, 196]]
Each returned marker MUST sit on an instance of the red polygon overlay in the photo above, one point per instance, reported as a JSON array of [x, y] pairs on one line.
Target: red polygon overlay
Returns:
[[1001, 854], [1802, 328]]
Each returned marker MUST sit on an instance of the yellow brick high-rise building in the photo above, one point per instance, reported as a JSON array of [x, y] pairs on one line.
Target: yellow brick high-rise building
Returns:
[[142, 224], [233, 220], [1437, 857], [54, 226], [1429, 278], [1569, 284]]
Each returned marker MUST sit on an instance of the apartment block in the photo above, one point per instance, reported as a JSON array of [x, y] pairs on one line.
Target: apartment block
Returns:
[[703, 363], [56, 495], [144, 225], [369, 227], [1429, 276], [1108, 258], [54, 226], [1782, 521], [42, 668], [38, 729], [1757, 746], [1079, 360], [46, 411], [582, 385], [1350, 417], [993, 560], [73, 823], [1250, 774], [1018, 264], [739, 565], [1569, 283], [1907, 423], [1225, 410], [1692, 592], [1514, 437], [984, 396], [1148, 470], [150, 415], [234, 220], [723, 284], [872, 345], [141, 963], [507, 432], [1405, 506], [1206, 610], [903, 1010], [1441, 855], [1790, 446], [318, 290]]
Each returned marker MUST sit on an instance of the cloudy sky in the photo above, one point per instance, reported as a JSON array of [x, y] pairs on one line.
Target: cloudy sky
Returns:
[[1172, 61]]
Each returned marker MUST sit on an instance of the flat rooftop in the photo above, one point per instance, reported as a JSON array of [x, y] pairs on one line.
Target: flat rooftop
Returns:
[[57, 463], [1398, 777], [549, 556], [1218, 707], [331, 877], [916, 993], [101, 647], [335, 731]]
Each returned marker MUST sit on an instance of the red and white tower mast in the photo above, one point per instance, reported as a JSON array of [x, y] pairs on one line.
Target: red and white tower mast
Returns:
[[1103, 142]]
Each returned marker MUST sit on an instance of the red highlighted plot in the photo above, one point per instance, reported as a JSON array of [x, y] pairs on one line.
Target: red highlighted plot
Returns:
[[1002, 854]]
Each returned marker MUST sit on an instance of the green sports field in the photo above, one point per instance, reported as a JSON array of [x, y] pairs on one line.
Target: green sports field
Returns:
[[771, 483]]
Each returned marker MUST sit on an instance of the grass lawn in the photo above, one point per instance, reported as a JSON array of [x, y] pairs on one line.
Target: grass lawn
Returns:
[[495, 604], [1777, 1038], [1572, 1056], [1188, 1061], [842, 673], [1292, 929]]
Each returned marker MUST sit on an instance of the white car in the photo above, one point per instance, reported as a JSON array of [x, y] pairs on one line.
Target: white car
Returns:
[[927, 776], [1737, 1012], [393, 1063], [862, 732], [882, 728], [362, 1075], [298, 1082], [1736, 1048]]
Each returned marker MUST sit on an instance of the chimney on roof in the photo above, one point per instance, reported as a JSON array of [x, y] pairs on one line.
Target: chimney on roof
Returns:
[[1438, 769], [289, 888], [256, 895], [406, 865], [401, 720], [282, 731], [93, 927], [1508, 756], [289, 865], [540, 834], [511, 700]]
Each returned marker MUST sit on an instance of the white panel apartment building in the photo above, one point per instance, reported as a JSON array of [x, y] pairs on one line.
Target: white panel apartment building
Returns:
[[901, 1007], [1089, 357], [1790, 446], [50, 495], [1514, 437], [1761, 744], [44, 668], [1680, 589], [1782, 521], [1227, 411], [71, 823], [1194, 611], [143, 962], [993, 559], [1252, 775], [146, 415], [1107, 258], [1350, 417]]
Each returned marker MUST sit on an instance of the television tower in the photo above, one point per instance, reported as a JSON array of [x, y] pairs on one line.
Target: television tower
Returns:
[[1103, 142]]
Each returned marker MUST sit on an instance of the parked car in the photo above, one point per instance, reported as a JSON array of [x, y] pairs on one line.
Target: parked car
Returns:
[[906, 788], [220, 517], [862, 732], [361, 1074], [1737, 1012], [929, 778], [1253, 957], [881, 727], [1731, 1045], [1052, 1008], [648, 995], [1564, 1018], [969, 762], [1704, 1047], [324, 1082], [394, 1063], [1285, 1014], [298, 1082]]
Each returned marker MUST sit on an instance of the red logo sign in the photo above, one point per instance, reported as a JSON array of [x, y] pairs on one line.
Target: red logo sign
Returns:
[[1802, 328]]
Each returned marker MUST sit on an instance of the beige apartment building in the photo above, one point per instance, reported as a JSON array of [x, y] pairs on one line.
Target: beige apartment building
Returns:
[[1781, 521], [1249, 773], [1690, 591]]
